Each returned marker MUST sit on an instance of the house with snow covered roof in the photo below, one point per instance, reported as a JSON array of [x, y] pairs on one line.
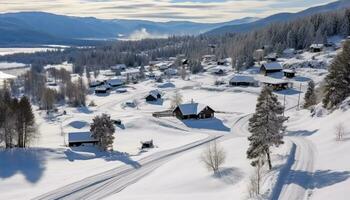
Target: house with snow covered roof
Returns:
[[115, 82], [316, 48], [80, 138], [153, 95], [242, 80], [270, 67], [193, 111], [275, 84]]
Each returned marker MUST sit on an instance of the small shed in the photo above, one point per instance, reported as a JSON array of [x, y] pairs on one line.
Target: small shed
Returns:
[[153, 95], [315, 48], [276, 84], [289, 73], [80, 138], [193, 111], [242, 80], [147, 144], [95, 84], [270, 67]]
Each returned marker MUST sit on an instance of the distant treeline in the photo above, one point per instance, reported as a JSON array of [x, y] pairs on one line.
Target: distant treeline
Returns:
[[298, 34]]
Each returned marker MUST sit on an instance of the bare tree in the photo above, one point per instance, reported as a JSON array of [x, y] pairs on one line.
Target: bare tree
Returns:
[[339, 132], [176, 99], [255, 179], [213, 157]]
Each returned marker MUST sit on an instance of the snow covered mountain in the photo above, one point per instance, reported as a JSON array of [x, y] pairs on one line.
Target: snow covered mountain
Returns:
[[41, 27], [280, 17]]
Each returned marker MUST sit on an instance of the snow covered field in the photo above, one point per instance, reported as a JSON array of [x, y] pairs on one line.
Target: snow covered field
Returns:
[[310, 162]]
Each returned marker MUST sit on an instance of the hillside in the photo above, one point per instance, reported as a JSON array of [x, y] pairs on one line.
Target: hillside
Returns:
[[40, 27], [280, 17]]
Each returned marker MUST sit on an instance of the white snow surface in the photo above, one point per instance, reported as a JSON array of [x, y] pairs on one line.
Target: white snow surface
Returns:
[[310, 165]]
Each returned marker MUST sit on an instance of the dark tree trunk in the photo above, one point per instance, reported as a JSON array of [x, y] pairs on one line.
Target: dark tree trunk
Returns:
[[268, 158]]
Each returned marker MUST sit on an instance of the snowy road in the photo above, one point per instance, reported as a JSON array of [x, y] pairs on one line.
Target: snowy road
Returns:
[[297, 173], [115, 180]]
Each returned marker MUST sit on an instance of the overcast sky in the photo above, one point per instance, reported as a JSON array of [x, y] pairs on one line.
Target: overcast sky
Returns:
[[162, 10]]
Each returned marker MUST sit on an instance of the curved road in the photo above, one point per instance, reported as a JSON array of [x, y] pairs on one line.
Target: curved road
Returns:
[[295, 177]]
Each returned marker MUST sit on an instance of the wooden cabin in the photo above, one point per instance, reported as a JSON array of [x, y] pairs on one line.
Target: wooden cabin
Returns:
[[80, 138], [153, 95], [276, 84], [193, 111], [242, 80], [271, 67], [289, 73], [315, 48], [115, 82], [101, 90]]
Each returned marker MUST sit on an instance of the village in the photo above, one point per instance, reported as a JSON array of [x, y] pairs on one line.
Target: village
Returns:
[[272, 70]]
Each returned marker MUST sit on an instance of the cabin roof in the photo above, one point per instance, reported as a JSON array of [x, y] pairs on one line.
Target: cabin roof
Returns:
[[115, 82], [80, 137], [242, 78], [272, 66], [273, 81], [191, 108], [317, 46]]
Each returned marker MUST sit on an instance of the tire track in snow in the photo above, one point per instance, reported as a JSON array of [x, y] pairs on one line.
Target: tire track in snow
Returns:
[[115, 180], [294, 180]]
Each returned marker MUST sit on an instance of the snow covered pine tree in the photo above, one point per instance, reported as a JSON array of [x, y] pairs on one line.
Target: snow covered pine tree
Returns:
[[103, 129], [266, 126], [310, 96], [338, 80]]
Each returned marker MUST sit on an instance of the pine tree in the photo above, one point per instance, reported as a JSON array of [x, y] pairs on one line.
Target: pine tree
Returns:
[[103, 129], [338, 80], [27, 119], [266, 126], [310, 95]]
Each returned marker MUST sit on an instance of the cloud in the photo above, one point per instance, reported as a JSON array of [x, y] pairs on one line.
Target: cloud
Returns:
[[162, 10]]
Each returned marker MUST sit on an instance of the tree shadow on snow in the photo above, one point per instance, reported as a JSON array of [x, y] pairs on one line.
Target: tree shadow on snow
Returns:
[[289, 91], [210, 124], [229, 175], [302, 79], [301, 133], [91, 152], [84, 110], [78, 124], [29, 162]]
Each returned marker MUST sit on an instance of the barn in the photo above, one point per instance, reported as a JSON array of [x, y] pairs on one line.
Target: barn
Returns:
[[193, 111], [272, 67], [153, 95], [80, 138]]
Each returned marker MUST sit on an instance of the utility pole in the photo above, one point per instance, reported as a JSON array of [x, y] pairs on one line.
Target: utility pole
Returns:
[[284, 104], [299, 96]]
